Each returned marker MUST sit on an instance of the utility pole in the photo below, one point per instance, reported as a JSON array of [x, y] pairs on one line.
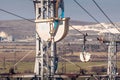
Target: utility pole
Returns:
[[51, 27]]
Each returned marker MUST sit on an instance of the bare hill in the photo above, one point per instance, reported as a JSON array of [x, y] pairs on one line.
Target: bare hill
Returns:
[[19, 29], [75, 22]]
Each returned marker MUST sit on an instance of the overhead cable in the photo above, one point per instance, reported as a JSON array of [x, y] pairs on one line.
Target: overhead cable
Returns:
[[77, 30], [23, 57], [86, 11], [16, 15], [70, 62], [106, 15], [90, 15], [19, 17], [103, 12]]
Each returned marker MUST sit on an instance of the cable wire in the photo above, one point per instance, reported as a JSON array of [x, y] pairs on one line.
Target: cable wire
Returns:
[[23, 57], [90, 15], [106, 15], [70, 62], [19, 17], [77, 30], [86, 11], [16, 15], [103, 12]]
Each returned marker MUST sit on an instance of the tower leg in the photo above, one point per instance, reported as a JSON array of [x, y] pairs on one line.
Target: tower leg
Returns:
[[112, 60], [53, 56], [39, 59]]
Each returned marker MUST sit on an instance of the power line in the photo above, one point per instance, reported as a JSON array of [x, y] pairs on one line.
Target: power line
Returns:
[[103, 12], [16, 15], [105, 15], [19, 17], [90, 15], [77, 30], [86, 11], [33, 21]]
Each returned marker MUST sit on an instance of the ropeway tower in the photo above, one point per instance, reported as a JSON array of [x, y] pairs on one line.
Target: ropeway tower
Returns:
[[51, 27], [111, 42]]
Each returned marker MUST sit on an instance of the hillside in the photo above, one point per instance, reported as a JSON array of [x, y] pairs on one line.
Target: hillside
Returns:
[[22, 29], [72, 43], [19, 29]]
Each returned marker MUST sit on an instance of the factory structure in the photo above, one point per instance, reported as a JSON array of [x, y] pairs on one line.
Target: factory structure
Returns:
[[4, 37]]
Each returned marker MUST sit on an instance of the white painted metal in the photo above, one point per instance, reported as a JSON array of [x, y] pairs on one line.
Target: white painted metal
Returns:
[[112, 57], [85, 56], [38, 69], [45, 18], [43, 29]]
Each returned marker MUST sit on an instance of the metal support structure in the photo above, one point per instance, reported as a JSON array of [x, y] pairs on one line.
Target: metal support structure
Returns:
[[111, 41], [112, 58], [84, 41], [47, 18], [39, 61], [53, 53], [39, 58]]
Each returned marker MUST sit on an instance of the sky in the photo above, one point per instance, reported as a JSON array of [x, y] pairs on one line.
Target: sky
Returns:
[[25, 8]]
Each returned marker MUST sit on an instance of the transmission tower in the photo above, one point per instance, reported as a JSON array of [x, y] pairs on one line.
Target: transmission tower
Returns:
[[112, 66], [112, 56], [51, 27]]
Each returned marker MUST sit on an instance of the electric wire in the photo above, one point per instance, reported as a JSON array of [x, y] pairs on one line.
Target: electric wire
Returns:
[[33, 21], [23, 57], [16, 15], [90, 15], [19, 17], [23, 19], [84, 34], [70, 25], [103, 12], [106, 15], [76, 30], [70, 62], [116, 26], [86, 11]]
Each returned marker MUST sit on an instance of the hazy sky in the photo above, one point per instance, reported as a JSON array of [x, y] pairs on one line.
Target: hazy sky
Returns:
[[25, 9]]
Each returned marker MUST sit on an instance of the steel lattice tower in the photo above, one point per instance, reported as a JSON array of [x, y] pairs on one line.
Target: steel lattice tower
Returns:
[[48, 33]]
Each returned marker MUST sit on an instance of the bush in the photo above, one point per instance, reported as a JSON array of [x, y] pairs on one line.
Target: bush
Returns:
[[83, 71], [99, 70]]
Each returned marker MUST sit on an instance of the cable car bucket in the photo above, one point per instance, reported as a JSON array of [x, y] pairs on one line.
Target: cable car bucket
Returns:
[[84, 56]]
